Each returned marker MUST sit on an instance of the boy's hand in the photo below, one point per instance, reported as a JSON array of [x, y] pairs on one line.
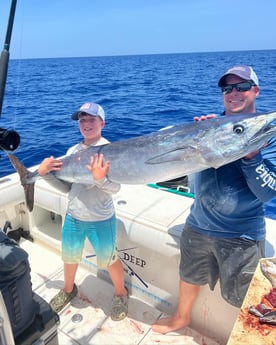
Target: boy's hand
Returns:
[[49, 164], [98, 167]]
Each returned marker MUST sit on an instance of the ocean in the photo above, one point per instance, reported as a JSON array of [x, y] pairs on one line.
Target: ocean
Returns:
[[140, 94]]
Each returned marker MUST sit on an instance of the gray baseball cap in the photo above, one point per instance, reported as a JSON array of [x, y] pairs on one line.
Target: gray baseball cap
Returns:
[[89, 108], [242, 71]]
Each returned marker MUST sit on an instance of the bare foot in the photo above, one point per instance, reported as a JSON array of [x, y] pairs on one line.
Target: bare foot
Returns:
[[169, 324]]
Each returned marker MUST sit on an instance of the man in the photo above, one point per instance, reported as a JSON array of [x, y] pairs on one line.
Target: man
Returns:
[[224, 235]]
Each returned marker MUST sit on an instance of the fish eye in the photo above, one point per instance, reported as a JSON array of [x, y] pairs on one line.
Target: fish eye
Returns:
[[238, 129]]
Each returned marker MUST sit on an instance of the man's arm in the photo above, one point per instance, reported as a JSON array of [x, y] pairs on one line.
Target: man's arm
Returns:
[[260, 172]]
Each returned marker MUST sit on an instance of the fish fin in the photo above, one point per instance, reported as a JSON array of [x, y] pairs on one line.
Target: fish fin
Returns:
[[172, 156], [24, 173]]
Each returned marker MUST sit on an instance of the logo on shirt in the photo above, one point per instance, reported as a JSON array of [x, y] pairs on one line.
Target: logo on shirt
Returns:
[[267, 178]]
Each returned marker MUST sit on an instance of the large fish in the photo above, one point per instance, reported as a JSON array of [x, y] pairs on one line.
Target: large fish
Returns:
[[167, 154]]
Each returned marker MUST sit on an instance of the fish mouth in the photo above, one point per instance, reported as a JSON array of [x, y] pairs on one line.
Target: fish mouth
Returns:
[[268, 129]]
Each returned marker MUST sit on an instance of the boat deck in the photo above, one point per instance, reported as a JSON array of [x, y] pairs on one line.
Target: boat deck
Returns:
[[86, 321]]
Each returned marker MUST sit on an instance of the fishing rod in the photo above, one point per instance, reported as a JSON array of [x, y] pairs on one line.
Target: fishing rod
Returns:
[[9, 139]]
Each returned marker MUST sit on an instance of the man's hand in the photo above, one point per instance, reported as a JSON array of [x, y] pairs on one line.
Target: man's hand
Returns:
[[98, 167], [49, 164], [204, 117], [254, 153], [251, 154]]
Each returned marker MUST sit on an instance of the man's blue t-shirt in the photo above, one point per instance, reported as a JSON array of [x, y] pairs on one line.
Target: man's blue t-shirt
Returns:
[[229, 201]]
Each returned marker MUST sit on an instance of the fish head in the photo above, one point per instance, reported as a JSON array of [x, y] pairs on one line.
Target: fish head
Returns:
[[232, 137]]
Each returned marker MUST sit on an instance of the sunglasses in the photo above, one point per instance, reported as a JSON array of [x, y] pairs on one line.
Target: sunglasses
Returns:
[[240, 87]]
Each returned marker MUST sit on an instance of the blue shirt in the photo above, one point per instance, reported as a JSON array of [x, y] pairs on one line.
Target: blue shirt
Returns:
[[229, 201]]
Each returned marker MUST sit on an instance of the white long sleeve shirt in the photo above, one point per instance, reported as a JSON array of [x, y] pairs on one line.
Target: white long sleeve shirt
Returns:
[[92, 202]]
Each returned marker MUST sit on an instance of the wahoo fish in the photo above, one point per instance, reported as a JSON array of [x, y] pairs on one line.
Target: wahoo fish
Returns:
[[166, 154]]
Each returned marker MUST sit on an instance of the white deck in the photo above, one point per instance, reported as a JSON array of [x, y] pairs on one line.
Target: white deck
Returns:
[[93, 304], [149, 224]]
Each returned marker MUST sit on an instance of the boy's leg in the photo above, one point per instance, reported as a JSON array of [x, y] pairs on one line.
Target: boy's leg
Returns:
[[69, 291], [119, 306], [69, 276], [116, 273]]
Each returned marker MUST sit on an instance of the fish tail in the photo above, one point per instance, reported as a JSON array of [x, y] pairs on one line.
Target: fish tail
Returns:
[[24, 173]]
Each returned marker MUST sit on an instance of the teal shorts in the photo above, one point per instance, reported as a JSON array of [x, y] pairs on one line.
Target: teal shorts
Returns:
[[101, 235]]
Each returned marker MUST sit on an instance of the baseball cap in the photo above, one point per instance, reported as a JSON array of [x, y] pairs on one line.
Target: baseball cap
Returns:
[[90, 108], [242, 71]]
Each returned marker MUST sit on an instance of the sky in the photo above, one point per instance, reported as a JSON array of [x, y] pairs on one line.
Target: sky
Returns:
[[75, 28]]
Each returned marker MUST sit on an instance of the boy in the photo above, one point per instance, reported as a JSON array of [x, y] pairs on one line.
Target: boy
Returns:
[[90, 213]]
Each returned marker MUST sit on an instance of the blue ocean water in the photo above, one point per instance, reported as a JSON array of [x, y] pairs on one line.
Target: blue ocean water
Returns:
[[140, 94]]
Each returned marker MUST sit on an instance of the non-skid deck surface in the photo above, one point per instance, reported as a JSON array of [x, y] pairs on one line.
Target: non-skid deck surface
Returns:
[[86, 320]]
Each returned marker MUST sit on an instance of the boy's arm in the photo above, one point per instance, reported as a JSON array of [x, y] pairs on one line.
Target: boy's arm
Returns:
[[51, 164]]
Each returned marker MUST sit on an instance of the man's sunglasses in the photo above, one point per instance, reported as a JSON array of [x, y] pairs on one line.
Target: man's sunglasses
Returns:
[[241, 87]]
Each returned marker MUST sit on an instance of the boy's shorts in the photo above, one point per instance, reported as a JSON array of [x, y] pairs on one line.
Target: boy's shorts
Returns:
[[233, 261], [101, 235]]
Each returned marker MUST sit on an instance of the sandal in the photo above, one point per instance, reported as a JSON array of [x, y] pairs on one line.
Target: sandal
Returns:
[[119, 307]]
